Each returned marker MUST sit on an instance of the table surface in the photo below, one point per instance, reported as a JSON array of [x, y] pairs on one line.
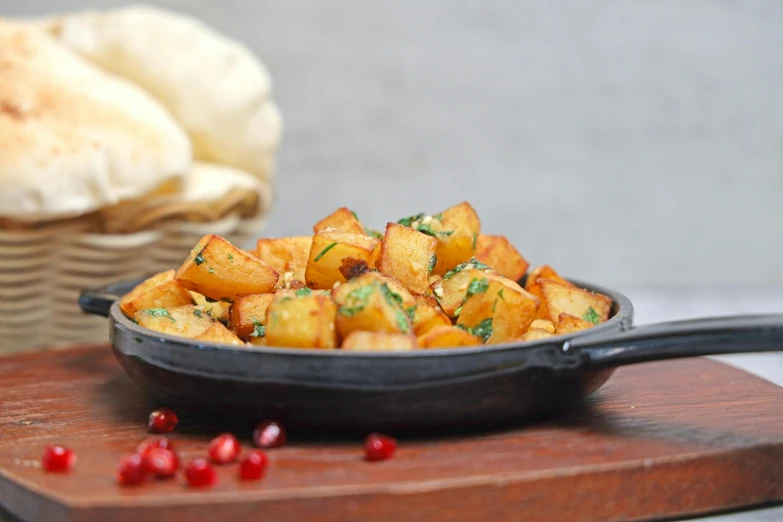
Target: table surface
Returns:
[[661, 304], [666, 304]]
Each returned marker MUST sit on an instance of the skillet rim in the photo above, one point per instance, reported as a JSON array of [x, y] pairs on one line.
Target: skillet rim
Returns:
[[623, 312]]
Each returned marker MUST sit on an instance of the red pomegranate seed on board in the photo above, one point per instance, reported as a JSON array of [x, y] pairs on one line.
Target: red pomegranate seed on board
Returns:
[[224, 448], [163, 420], [253, 465], [154, 442], [58, 458], [379, 447], [200, 473], [161, 462], [269, 434], [131, 470]]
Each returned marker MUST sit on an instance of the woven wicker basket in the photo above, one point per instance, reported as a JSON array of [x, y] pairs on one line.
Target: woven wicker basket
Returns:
[[43, 271]]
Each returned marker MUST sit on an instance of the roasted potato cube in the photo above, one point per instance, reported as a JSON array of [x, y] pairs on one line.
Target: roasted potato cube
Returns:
[[425, 315], [350, 268], [341, 220], [433, 280], [532, 286], [408, 256], [300, 292], [565, 298], [159, 291], [219, 270], [450, 291], [535, 334], [568, 323], [215, 309], [363, 341], [339, 292], [457, 237], [428, 299], [370, 303], [259, 341], [286, 255], [542, 272], [301, 322], [217, 333], [496, 312], [248, 315], [185, 321], [501, 256], [447, 337], [330, 249], [543, 324]]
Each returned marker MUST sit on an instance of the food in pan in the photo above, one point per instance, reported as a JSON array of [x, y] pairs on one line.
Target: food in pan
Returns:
[[429, 281]]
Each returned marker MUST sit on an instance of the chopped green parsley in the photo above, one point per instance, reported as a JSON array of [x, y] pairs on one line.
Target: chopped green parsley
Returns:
[[591, 316], [483, 329], [199, 259], [259, 330], [478, 265], [356, 300], [324, 251], [160, 312]]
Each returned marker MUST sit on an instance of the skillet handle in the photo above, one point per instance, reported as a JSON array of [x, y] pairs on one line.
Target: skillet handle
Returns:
[[98, 301], [675, 339]]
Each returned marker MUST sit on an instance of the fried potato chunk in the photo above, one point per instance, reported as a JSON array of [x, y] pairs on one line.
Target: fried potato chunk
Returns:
[[341, 220], [287, 255], [373, 303], [448, 337], [363, 341], [566, 298], [496, 312], [568, 323], [329, 252], [247, 316], [219, 270], [408, 256], [532, 286], [500, 255], [159, 291], [301, 322]]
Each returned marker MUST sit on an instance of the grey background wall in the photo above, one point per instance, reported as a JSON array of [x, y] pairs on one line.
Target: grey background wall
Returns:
[[625, 141]]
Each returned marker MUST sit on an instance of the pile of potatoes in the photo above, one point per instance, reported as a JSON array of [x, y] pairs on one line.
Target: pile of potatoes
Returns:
[[429, 281]]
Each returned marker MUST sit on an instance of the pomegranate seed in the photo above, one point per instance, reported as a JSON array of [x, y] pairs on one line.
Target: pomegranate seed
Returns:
[[269, 434], [154, 442], [161, 462], [58, 458], [131, 470], [224, 449], [253, 465], [163, 420], [379, 447], [200, 473]]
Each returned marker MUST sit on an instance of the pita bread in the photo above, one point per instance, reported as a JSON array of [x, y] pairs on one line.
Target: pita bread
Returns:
[[215, 88], [74, 138], [210, 192]]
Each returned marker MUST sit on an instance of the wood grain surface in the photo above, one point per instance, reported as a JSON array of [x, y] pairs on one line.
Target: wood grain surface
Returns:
[[660, 440]]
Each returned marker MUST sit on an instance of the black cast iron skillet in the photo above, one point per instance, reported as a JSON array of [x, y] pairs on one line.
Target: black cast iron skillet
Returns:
[[448, 388]]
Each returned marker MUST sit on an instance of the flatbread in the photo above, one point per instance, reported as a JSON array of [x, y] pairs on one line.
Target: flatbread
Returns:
[[215, 87], [210, 192], [73, 137]]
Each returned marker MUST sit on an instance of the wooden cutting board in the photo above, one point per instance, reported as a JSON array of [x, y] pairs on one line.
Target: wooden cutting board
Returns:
[[660, 440]]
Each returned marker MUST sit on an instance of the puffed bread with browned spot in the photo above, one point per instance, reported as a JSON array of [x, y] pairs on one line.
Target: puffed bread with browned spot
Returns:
[[214, 86], [75, 138]]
